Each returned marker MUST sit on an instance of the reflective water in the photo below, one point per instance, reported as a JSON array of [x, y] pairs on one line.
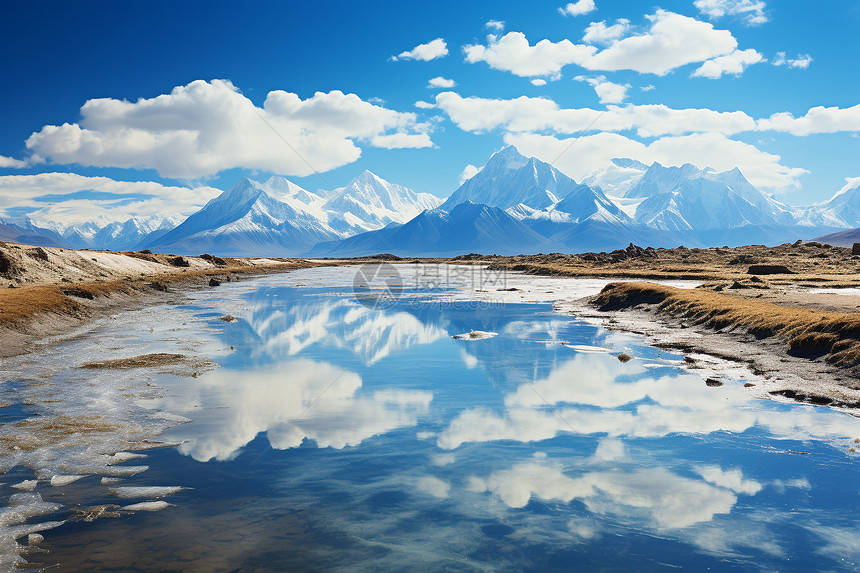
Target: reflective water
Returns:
[[335, 436]]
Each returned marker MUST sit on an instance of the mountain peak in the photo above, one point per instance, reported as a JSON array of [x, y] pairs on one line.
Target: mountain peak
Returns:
[[367, 176], [628, 163], [508, 157]]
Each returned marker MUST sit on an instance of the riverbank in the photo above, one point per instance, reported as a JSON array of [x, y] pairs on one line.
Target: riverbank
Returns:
[[793, 352], [49, 291], [755, 306]]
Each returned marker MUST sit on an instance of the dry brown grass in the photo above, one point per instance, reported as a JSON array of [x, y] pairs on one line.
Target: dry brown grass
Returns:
[[19, 305], [142, 361], [35, 432], [806, 332]]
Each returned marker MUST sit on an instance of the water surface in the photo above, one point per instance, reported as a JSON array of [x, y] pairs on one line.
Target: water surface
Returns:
[[336, 435]]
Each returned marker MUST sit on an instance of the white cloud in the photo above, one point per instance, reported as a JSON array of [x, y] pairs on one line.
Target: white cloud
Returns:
[[647, 88], [513, 53], [578, 8], [425, 52], [600, 33], [538, 82], [206, 127], [800, 62], [714, 150], [751, 12], [402, 141], [468, 172], [424, 105], [11, 162], [440, 82], [157, 199], [734, 63], [608, 92], [539, 113], [672, 41], [817, 120], [497, 25]]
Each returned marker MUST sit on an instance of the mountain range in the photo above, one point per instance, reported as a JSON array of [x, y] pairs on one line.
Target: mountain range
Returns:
[[514, 204]]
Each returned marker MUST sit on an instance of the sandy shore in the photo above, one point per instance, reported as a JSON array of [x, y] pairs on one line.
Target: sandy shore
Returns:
[[49, 291]]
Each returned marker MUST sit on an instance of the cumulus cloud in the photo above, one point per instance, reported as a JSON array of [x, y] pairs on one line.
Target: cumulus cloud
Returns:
[[751, 12], [672, 41], [653, 120], [540, 113], [513, 53], [734, 63], [468, 172], [402, 141], [425, 52], [607, 92], [11, 162], [206, 127], [715, 150], [817, 120], [440, 82], [800, 62], [497, 25], [539, 82], [578, 8], [57, 198], [600, 33]]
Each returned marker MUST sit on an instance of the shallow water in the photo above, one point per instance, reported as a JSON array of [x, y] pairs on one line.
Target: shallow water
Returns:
[[343, 434]]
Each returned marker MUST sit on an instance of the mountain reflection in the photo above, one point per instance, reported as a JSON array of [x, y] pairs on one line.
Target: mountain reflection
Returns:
[[282, 324]]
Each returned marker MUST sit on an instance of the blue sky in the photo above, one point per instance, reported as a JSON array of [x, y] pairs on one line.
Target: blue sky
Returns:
[[170, 155]]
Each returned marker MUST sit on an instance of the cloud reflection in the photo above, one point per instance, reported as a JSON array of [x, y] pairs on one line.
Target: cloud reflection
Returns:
[[595, 394], [290, 401]]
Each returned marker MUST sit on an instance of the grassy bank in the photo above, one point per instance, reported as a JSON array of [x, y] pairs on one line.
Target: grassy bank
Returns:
[[806, 333]]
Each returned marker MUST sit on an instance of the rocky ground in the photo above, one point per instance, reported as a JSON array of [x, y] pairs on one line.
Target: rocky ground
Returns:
[[808, 264]]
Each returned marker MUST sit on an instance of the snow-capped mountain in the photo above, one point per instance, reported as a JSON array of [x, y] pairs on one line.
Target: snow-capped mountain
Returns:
[[690, 199], [617, 178], [510, 179], [370, 202], [468, 227], [25, 232], [97, 234], [514, 204], [842, 210], [546, 200], [280, 218]]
